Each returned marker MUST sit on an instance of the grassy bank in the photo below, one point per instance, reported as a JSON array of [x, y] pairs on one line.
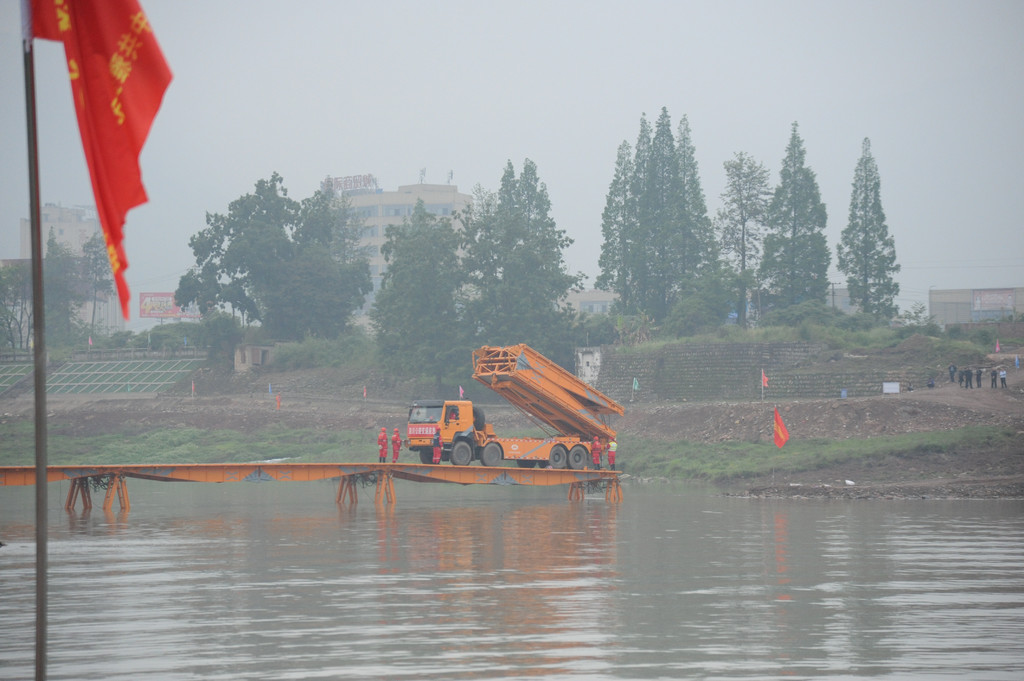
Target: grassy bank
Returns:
[[187, 445], [734, 461]]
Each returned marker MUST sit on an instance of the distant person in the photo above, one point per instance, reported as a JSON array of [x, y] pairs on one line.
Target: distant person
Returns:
[[952, 373], [931, 382], [1002, 378], [969, 378], [977, 377], [960, 378], [437, 445], [396, 446], [595, 453], [994, 375], [613, 447], [382, 445]]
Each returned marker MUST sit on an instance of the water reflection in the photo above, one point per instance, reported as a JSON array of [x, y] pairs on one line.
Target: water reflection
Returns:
[[272, 582]]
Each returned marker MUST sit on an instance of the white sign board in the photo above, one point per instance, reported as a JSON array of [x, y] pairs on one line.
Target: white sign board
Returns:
[[890, 387]]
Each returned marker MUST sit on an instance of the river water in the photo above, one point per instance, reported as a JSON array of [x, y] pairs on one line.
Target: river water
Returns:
[[274, 581]]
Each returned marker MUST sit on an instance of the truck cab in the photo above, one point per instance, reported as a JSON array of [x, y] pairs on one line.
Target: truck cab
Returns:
[[458, 421]]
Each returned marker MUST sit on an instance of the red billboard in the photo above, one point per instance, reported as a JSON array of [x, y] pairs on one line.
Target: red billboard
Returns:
[[162, 306]]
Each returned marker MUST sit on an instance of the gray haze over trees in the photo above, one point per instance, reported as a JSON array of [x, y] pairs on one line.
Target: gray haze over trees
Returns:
[[261, 86]]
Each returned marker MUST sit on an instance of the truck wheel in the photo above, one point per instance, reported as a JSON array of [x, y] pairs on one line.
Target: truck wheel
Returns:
[[462, 453], [558, 456], [491, 454], [479, 421], [426, 456], [578, 456]]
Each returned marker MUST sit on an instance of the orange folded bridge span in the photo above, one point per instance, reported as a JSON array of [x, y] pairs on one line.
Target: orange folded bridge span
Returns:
[[379, 475]]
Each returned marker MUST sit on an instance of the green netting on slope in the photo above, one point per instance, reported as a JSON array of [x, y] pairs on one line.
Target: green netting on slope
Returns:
[[130, 376]]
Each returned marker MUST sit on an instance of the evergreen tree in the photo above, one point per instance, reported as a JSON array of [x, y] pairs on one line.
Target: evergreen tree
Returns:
[[739, 221], [796, 258], [699, 252], [516, 272], [618, 223], [415, 314], [867, 255], [660, 217], [636, 243], [657, 235]]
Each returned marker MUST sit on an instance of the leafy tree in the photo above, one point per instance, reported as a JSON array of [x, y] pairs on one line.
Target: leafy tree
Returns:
[[867, 255], [290, 266], [96, 273], [517, 278], [16, 305], [416, 311], [796, 258], [739, 221], [65, 291]]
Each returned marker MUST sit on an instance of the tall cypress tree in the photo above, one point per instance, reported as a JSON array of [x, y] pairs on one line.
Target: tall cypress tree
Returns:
[[660, 214], [618, 224], [637, 251], [796, 256], [867, 255], [658, 238], [739, 221], [698, 249]]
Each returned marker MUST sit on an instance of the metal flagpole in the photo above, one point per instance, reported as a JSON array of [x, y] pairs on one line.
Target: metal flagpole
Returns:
[[39, 350]]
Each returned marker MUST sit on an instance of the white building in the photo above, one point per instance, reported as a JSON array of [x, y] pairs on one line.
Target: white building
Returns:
[[378, 208]]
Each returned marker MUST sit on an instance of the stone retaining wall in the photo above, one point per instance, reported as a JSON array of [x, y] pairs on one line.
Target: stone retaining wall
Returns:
[[732, 371]]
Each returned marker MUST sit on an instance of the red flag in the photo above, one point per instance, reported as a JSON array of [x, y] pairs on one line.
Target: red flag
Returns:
[[764, 379], [781, 434], [118, 78]]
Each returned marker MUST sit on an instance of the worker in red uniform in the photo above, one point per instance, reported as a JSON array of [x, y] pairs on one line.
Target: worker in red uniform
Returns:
[[382, 444], [396, 446], [595, 453], [613, 447], [437, 445]]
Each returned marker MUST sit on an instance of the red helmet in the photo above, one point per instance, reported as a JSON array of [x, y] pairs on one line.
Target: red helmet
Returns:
[[396, 431]]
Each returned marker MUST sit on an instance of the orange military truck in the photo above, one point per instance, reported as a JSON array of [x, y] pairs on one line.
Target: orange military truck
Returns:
[[569, 410]]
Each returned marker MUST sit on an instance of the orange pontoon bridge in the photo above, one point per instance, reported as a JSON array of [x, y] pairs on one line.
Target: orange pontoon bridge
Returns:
[[381, 476]]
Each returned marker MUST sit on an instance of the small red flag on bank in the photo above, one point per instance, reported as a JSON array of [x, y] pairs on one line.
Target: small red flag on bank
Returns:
[[118, 78], [764, 379], [781, 434]]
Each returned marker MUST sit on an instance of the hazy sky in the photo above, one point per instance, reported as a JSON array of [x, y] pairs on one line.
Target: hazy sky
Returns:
[[315, 89]]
